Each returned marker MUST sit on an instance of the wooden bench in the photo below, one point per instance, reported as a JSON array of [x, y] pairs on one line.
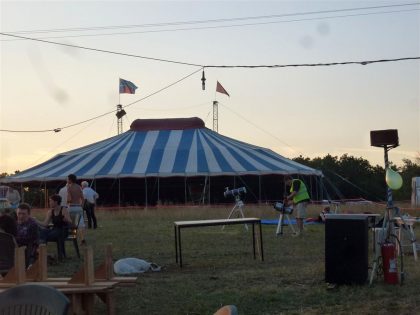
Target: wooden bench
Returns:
[[81, 288], [179, 225]]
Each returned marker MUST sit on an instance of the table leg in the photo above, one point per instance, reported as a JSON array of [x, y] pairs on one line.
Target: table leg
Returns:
[[253, 238], [179, 246], [75, 304], [176, 244], [88, 301], [108, 298], [261, 242]]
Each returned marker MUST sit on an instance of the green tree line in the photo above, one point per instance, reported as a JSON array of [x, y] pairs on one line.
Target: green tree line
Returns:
[[354, 177]]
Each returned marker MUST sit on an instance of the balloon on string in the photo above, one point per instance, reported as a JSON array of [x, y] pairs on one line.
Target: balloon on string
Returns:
[[393, 179]]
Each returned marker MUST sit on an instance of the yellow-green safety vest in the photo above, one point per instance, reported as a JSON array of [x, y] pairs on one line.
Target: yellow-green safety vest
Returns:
[[302, 193]]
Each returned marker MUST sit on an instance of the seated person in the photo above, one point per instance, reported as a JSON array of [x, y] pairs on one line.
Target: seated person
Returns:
[[27, 232], [60, 219], [8, 224], [321, 217]]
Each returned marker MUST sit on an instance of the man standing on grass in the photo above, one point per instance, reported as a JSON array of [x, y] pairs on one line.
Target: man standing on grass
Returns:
[[89, 204], [300, 197], [75, 201]]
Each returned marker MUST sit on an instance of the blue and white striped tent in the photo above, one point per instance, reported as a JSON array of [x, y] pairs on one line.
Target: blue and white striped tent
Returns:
[[164, 148]]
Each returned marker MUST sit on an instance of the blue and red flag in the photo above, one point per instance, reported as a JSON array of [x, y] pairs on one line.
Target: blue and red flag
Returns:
[[127, 87]]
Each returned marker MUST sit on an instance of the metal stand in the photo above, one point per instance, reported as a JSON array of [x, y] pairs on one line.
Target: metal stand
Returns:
[[388, 225], [238, 208], [279, 230]]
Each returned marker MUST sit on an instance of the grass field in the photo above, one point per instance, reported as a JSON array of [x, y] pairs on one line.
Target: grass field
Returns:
[[219, 267]]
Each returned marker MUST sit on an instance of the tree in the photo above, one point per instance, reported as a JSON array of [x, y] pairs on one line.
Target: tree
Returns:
[[352, 177]]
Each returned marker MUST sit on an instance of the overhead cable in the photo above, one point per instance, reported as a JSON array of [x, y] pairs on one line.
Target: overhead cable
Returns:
[[365, 62], [217, 26], [222, 20], [101, 50], [104, 114]]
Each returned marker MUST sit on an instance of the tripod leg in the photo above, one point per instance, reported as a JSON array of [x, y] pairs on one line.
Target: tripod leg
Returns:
[[242, 213], [279, 230], [290, 224], [413, 242], [230, 215], [372, 273], [231, 212]]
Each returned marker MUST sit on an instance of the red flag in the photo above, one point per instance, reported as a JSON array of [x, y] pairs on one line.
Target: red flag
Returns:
[[221, 89]]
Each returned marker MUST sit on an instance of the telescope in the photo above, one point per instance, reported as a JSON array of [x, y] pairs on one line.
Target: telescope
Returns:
[[279, 206], [234, 192]]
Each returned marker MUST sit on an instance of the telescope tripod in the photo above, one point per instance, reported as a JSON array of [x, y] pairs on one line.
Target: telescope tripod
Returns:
[[237, 208], [280, 225]]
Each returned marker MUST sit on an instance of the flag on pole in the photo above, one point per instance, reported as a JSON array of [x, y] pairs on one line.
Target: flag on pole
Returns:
[[127, 87], [221, 89]]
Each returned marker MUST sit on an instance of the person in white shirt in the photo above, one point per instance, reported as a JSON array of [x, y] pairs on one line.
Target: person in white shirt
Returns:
[[90, 197], [63, 195], [13, 197]]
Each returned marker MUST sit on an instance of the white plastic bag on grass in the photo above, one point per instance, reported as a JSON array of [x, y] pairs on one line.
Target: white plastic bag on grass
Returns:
[[130, 266]]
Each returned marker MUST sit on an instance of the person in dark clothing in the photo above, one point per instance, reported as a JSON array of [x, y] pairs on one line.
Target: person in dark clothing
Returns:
[[27, 232], [8, 224], [59, 217]]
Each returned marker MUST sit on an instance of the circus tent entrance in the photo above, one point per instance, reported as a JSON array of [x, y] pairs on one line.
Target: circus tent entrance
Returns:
[[171, 161]]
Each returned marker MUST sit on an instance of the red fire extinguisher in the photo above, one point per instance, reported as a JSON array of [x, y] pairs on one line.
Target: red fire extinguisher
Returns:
[[389, 263]]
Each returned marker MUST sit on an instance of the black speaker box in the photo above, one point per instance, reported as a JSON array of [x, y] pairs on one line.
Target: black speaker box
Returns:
[[380, 138], [346, 251]]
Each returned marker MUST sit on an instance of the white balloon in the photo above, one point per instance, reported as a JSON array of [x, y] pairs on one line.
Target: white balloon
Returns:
[[393, 179]]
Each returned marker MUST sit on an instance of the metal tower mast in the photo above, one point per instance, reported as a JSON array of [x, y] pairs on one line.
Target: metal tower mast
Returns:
[[120, 114], [215, 116]]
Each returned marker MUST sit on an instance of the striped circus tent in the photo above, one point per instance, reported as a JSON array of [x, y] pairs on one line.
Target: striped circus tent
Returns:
[[164, 148]]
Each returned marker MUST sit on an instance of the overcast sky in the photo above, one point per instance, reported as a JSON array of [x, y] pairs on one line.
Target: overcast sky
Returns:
[[309, 111]]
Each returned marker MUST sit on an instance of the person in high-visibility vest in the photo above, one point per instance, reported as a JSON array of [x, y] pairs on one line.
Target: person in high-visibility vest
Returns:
[[300, 197]]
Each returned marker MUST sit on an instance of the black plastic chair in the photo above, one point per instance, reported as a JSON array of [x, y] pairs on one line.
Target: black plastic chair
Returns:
[[7, 252], [31, 299]]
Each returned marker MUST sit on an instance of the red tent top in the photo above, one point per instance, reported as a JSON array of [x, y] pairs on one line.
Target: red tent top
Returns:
[[167, 124]]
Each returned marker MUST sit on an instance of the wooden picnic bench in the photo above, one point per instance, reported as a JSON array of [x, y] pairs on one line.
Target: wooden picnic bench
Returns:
[[81, 288]]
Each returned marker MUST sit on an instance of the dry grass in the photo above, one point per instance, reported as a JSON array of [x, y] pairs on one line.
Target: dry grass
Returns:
[[219, 269]]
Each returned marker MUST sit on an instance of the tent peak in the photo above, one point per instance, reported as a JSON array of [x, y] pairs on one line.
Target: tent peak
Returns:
[[167, 124]]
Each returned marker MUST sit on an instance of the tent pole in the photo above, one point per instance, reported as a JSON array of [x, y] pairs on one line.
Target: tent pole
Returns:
[[185, 190], [259, 189], [145, 188], [119, 193], [159, 201], [316, 188], [45, 195], [209, 190]]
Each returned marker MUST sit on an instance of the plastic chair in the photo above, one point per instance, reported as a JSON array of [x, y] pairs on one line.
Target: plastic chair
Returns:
[[33, 299], [227, 310], [7, 252]]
